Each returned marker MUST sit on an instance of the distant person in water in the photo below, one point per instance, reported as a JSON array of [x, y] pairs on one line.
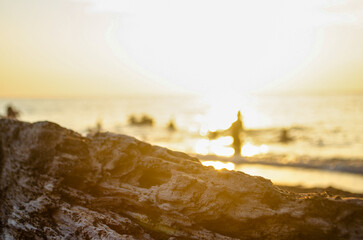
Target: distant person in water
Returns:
[[96, 129], [235, 130], [11, 112], [171, 125], [144, 121], [98, 126], [284, 136]]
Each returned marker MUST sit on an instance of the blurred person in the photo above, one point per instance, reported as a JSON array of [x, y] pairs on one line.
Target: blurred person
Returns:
[[235, 130], [144, 121], [171, 125], [284, 136], [11, 112]]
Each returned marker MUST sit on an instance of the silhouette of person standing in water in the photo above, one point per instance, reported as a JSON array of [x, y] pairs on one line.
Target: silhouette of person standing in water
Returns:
[[235, 130]]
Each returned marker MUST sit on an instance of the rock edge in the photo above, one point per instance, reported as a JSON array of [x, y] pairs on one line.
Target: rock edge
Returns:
[[57, 184]]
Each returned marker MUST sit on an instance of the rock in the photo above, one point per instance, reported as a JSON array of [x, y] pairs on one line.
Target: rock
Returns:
[[56, 184]]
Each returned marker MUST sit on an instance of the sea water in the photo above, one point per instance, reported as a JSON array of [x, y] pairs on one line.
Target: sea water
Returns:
[[326, 147]]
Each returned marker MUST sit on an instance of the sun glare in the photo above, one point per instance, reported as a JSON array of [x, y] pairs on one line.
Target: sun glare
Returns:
[[249, 150], [219, 165], [204, 47], [222, 112], [222, 147], [240, 48], [219, 147]]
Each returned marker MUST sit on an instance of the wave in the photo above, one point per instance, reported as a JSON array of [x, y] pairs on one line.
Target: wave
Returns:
[[347, 165]]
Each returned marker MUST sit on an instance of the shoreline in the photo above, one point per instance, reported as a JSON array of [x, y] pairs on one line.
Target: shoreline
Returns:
[[274, 160], [329, 191], [295, 176]]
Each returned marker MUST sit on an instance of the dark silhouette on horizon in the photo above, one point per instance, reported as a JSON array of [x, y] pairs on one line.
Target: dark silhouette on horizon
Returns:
[[144, 121], [171, 125], [284, 136]]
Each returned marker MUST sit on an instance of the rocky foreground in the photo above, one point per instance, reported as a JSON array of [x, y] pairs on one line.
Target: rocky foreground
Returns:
[[56, 184]]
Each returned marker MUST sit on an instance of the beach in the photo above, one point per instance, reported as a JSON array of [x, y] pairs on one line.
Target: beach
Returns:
[[178, 120]]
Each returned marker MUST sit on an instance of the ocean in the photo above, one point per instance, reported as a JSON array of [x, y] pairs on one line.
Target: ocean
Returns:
[[325, 132]]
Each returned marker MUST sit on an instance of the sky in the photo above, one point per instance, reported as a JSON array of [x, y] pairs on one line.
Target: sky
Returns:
[[70, 48]]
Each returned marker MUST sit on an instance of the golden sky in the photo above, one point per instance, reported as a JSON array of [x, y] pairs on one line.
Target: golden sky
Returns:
[[64, 48]]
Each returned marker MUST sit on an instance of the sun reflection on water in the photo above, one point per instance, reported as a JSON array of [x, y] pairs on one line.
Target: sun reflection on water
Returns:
[[249, 150], [219, 165], [222, 147], [218, 146]]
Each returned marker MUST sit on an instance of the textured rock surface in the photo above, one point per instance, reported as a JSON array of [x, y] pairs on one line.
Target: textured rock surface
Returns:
[[56, 184]]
